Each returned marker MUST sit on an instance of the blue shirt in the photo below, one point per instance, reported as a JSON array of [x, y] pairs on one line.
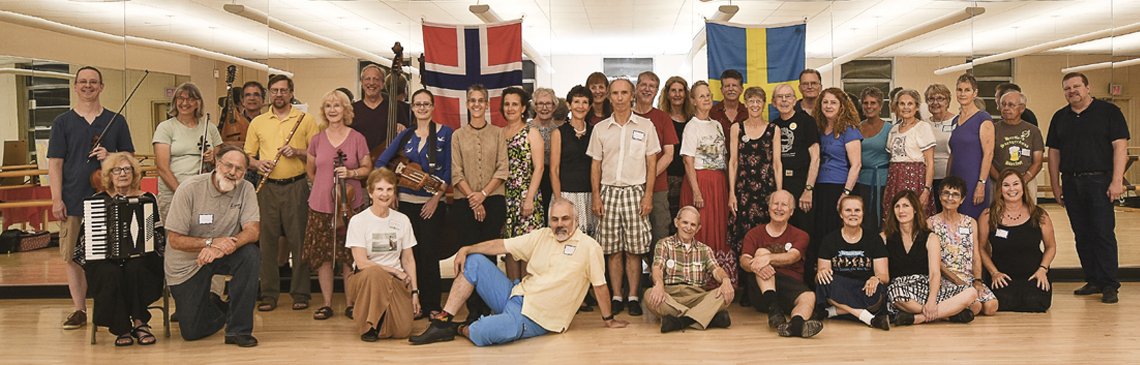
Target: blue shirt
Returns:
[[875, 154], [833, 165], [420, 155], [70, 140]]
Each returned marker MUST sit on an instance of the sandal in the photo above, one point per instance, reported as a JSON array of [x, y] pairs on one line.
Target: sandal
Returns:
[[267, 304], [142, 333], [323, 313], [125, 339], [348, 312], [300, 303]]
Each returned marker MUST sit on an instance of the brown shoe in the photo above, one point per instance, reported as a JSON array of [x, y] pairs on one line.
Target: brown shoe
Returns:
[[75, 321]]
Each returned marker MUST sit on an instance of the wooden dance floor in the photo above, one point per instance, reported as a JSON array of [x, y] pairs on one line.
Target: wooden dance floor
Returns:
[[1076, 330]]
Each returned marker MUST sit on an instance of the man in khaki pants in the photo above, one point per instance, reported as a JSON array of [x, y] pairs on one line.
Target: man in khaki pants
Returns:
[[681, 267]]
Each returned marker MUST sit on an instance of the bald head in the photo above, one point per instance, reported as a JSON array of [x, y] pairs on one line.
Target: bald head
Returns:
[[781, 205]]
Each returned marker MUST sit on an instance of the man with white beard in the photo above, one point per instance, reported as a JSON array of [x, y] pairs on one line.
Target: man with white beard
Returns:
[[212, 219], [561, 261]]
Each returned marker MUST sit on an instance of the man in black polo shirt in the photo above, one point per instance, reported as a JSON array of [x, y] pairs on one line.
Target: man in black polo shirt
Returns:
[[799, 141], [71, 160], [1087, 143], [371, 112]]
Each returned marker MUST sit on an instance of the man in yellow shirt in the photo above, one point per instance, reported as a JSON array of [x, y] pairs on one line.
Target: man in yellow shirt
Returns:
[[283, 198], [561, 261]]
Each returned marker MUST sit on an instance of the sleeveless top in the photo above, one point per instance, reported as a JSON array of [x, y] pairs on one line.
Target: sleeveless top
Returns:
[[1018, 254], [902, 263], [574, 169]]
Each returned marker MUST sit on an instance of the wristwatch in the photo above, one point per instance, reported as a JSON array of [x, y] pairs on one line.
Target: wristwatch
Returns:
[[210, 242], [808, 187], [415, 291], [846, 191], [982, 181], [610, 318]]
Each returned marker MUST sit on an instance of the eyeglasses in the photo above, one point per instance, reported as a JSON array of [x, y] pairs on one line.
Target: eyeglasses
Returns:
[[951, 195], [122, 170], [544, 104], [184, 100], [784, 96], [422, 105], [278, 91], [811, 84], [1010, 105], [937, 99]]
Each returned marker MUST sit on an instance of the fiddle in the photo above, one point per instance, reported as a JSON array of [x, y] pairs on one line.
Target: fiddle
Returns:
[[343, 195], [204, 144]]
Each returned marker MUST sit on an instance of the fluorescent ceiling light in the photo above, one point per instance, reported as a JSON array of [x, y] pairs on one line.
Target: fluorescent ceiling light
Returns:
[[1106, 33], [484, 13], [1131, 62], [289, 29], [915, 31]]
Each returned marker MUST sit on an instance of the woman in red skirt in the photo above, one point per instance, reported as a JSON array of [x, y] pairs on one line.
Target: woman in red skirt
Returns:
[[706, 186], [911, 144]]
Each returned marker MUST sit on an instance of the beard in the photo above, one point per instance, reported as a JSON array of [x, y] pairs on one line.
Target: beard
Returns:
[[225, 184], [561, 234]]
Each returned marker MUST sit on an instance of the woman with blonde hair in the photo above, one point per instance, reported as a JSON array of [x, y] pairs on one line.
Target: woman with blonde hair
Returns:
[[178, 150]]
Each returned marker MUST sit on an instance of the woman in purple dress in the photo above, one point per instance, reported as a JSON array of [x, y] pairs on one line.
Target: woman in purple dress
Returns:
[[971, 148]]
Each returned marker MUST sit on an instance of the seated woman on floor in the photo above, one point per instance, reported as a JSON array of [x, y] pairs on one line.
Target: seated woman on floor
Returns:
[[384, 285], [916, 293], [957, 236], [852, 270], [1013, 229], [124, 288]]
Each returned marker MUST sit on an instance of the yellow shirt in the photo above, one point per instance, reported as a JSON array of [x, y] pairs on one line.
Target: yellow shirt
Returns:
[[267, 133], [558, 274]]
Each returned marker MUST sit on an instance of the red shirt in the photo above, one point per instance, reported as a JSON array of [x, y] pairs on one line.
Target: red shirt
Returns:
[[666, 135], [717, 113], [793, 237]]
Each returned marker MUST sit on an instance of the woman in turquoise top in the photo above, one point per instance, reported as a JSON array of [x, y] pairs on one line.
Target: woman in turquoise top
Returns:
[[876, 158]]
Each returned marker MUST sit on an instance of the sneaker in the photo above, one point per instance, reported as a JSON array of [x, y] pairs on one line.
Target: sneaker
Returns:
[[1110, 296], [720, 320], [776, 319], [965, 316], [811, 328], [883, 321], [904, 319], [372, 335], [76, 320], [634, 307], [616, 306], [1088, 289], [436, 332], [670, 323]]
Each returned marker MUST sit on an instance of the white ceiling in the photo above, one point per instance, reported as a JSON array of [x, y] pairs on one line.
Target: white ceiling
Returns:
[[605, 27]]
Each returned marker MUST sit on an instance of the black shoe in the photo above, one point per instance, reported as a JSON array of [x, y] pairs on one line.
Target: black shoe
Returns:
[[616, 306], [811, 328], [436, 332], [241, 340], [720, 320], [634, 308], [819, 314], [1088, 289], [883, 321], [174, 317], [1110, 296], [585, 308], [965, 316], [670, 323], [372, 335], [745, 301], [776, 319], [904, 319]]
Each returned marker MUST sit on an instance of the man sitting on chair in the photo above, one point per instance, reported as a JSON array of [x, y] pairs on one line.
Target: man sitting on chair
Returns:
[[681, 267], [212, 218], [561, 261]]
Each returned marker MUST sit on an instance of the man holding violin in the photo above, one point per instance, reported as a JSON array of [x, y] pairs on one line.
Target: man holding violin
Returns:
[[74, 152], [283, 132]]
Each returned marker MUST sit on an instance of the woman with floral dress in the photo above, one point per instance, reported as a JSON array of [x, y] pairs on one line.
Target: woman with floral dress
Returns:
[[957, 234], [524, 153], [752, 168]]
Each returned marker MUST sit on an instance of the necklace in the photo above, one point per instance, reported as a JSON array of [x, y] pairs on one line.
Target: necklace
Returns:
[[1012, 218], [478, 128]]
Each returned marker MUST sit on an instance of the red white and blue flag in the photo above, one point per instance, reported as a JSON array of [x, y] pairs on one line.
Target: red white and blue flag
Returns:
[[457, 56]]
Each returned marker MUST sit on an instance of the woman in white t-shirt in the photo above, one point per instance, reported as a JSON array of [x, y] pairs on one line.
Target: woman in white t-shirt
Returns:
[[384, 286], [911, 145], [942, 125], [706, 186]]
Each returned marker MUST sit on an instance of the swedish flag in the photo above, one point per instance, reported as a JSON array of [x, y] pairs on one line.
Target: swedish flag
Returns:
[[766, 55]]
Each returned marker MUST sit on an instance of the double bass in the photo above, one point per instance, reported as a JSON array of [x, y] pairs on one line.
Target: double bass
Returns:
[[233, 123], [409, 174]]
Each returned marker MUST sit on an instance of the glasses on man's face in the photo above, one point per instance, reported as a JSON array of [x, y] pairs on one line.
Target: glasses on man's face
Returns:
[[951, 195], [784, 96], [122, 170], [278, 91], [811, 84], [87, 82], [253, 95], [422, 105], [544, 104], [1010, 105]]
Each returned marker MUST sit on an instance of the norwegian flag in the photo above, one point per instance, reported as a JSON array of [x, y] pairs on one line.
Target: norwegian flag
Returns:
[[457, 56]]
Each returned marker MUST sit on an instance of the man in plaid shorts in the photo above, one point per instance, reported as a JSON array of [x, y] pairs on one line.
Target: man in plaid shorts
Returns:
[[623, 147]]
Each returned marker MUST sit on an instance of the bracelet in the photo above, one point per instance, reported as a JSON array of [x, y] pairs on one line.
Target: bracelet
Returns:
[[928, 188], [1044, 267], [484, 193], [976, 280], [610, 318]]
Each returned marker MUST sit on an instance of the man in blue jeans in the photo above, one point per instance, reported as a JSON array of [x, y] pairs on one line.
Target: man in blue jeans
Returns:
[[561, 262], [212, 219], [1088, 144]]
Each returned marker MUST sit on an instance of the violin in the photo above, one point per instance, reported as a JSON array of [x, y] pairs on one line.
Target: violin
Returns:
[[204, 144], [233, 124], [343, 195]]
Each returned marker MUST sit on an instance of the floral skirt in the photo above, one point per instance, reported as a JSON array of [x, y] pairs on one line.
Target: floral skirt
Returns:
[[318, 246], [907, 176]]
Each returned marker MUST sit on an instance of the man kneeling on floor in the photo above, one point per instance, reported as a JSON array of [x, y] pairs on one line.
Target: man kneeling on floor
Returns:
[[773, 254], [561, 261], [681, 267]]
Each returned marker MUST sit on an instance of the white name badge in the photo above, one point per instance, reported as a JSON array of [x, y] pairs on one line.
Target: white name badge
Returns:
[[788, 247], [568, 250], [1001, 233], [205, 219], [1026, 152], [948, 128], [638, 135], [669, 263], [963, 230]]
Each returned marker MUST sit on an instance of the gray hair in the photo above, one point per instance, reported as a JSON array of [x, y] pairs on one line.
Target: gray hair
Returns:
[[544, 91], [689, 208], [561, 201], [195, 93], [1021, 97]]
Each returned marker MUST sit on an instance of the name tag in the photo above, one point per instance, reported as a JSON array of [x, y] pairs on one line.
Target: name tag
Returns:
[[788, 173], [963, 230], [1026, 152], [205, 219], [638, 135], [670, 263], [568, 250], [1001, 233], [788, 247], [948, 128]]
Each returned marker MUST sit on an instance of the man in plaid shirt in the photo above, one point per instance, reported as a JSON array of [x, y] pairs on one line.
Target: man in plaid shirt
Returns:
[[681, 268]]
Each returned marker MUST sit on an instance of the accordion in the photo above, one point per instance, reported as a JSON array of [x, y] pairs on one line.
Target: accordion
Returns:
[[119, 227]]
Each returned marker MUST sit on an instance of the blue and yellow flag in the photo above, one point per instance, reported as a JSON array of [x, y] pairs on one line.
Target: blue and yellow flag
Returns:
[[766, 55]]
